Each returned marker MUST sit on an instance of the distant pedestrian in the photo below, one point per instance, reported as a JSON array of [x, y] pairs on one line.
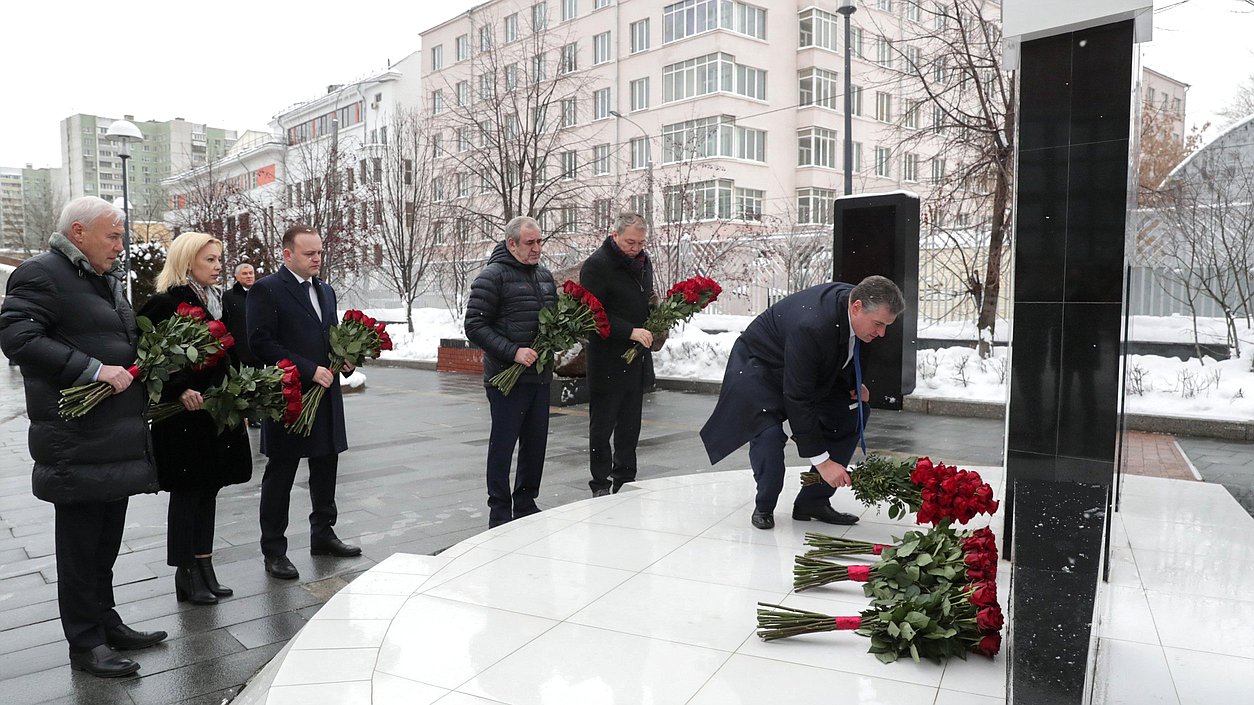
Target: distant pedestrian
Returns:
[[194, 460], [799, 361], [620, 275], [66, 321], [503, 318], [290, 314]]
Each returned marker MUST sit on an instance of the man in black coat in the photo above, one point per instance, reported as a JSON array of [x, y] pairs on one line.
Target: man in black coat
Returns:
[[67, 322], [620, 275], [799, 361], [502, 318], [234, 313], [290, 314]]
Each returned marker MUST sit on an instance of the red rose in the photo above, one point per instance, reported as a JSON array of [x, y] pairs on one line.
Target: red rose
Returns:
[[984, 595], [197, 312], [291, 377], [134, 370], [285, 364], [293, 406], [217, 328], [989, 645], [227, 341]]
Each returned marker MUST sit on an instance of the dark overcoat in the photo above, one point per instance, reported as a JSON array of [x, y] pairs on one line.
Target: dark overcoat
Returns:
[[625, 294], [235, 316], [60, 321], [282, 324], [788, 364], [190, 453]]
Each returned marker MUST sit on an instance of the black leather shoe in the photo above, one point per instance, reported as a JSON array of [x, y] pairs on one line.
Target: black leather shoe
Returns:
[[280, 567], [763, 520], [103, 662], [823, 513], [335, 547], [601, 492], [123, 638]]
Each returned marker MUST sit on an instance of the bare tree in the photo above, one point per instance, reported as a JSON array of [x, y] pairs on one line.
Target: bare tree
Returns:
[[511, 127], [407, 235], [464, 246], [1241, 105], [1160, 151], [42, 201], [209, 200], [950, 70], [1207, 244], [323, 176]]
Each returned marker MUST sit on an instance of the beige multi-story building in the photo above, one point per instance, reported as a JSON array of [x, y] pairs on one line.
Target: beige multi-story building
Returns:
[[730, 114], [1168, 98], [93, 168]]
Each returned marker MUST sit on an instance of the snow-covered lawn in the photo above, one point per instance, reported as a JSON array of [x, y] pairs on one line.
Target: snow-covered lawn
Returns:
[[1217, 389]]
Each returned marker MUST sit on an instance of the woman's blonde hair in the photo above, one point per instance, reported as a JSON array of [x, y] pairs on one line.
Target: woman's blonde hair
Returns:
[[178, 261]]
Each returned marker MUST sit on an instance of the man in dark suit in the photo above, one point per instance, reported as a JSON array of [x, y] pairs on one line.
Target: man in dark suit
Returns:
[[799, 361], [234, 315], [620, 275], [290, 314]]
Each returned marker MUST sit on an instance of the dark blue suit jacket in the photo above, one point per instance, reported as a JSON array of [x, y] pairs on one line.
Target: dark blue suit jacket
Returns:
[[788, 364], [282, 324]]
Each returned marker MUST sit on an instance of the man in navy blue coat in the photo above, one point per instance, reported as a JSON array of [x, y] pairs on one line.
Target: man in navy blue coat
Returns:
[[797, 361], [290, 314]]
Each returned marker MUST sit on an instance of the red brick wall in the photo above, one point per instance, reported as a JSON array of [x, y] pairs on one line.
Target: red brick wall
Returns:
[[460, 360]]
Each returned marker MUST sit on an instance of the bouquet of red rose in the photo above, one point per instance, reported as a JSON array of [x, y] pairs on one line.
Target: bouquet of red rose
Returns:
[[682, 301], [184, 340], [937, 492], [576, 315], [247, 392], [357, 338], [933, 625], [920, 561]]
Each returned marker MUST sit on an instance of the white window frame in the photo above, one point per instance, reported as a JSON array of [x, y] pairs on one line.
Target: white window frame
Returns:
[[601, 105], [602, 48], [640, 94], [640, 36]]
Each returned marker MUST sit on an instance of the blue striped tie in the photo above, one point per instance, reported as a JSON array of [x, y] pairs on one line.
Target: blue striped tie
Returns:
[[857, 392]]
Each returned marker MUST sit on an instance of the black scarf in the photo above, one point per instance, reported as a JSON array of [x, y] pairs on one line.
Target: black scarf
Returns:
[[635, 264]]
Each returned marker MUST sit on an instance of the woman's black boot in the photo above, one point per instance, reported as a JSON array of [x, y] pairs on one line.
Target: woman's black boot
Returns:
[[189, 584], [205, 565]]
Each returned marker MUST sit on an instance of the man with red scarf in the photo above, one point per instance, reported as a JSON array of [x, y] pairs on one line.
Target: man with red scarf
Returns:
[[620, 275]]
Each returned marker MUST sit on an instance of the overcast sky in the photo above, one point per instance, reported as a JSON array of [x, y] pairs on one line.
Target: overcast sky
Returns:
[[234, 64]]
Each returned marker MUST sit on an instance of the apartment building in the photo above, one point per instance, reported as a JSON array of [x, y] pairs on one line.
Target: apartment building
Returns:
[[737, 106], [1167, 98], [93, 168], [12, 220]]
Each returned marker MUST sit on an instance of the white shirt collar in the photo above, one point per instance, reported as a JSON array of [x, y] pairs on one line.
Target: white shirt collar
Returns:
[[299, 279]]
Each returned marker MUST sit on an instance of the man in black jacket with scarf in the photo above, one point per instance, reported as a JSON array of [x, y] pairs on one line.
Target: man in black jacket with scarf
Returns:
[[67, 322], [620, 275], [799, 361], [502, 318]]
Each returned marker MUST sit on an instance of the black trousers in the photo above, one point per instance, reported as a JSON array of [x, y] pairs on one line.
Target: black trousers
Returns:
[[520, 419], [189, 525], [766, 456], [276, 497], [614, 411], [88, 537]]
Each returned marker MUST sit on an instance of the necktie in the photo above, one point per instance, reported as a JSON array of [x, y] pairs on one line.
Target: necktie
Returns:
[[313, 300], [857, 392]]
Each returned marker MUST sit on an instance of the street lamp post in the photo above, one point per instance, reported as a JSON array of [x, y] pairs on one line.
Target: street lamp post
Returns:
[[648, 174], [124, 132], [847, 8]]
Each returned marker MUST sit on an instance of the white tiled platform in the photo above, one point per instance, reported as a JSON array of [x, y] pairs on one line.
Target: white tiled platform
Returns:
[[649, 597]]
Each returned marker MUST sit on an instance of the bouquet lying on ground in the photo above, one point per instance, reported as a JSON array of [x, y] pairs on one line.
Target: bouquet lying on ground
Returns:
[[918, 563], [933, 625], [184, 340], [682, 301], [357, 338], [939, 493], [246, 393], [576, 315]]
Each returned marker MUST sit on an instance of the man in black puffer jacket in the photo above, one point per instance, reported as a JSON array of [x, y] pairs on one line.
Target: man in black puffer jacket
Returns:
[[66, 321], [620, 275], [502, 318]]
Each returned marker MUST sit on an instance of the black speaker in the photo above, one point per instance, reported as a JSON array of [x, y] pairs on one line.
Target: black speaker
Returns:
[[879, 234]]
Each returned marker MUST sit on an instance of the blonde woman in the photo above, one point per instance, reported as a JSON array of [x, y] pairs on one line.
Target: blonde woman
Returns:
[[193, 460]]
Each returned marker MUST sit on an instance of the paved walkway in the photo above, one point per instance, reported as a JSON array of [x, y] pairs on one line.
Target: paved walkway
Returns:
[[412, 482]]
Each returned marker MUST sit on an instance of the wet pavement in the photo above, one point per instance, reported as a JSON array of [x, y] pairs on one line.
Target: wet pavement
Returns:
[[411, 482]]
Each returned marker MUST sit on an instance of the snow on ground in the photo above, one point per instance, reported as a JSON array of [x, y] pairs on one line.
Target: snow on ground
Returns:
[[1216, 389]]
